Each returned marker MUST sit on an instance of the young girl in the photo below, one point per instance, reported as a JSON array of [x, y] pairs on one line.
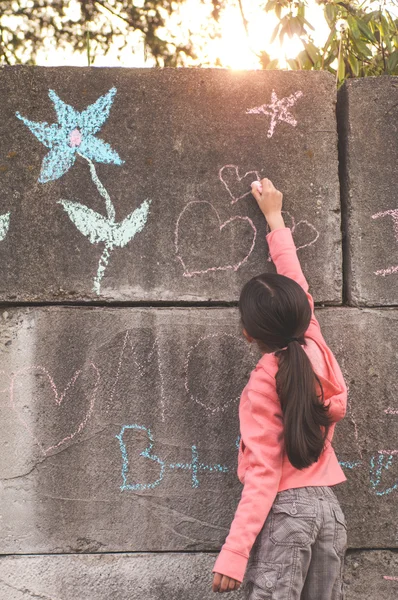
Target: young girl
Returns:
[[289, 535]]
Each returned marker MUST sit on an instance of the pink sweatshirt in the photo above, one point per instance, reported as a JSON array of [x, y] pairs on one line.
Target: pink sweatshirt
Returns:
[[263, 467]]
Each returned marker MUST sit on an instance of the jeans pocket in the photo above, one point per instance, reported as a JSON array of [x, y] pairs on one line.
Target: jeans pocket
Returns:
[[340, 530], [260, 579], [292, 523]]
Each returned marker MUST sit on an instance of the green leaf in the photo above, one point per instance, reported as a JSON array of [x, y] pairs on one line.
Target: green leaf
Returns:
[[293, 64], [365, 30], [392, 61], [123, 232], [330, 13], [4, 224], [90, 223], [354, 64], [312, 51], [353, 26], [331, 37], [361, 47]]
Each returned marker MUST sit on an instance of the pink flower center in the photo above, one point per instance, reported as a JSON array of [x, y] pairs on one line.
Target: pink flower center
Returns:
[[75, 138]]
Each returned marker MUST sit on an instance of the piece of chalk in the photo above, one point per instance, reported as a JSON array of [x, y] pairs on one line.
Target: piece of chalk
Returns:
[[258, 185]]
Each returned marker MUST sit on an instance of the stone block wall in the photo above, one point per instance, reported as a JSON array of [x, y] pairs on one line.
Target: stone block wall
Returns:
[[127, 229]]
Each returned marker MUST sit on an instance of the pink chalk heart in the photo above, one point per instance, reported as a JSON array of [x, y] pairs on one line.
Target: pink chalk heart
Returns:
[[44, 412], [237, 187], [204, 244], [303, 228]]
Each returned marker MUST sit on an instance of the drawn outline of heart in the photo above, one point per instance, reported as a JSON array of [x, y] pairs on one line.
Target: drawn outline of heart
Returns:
[[58, 400], [222, 407], [293, 229], [222, 225], [220, 175]]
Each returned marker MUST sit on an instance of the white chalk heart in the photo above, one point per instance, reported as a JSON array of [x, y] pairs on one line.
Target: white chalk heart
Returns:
[[201, 237], [237, 187], [307, 229]]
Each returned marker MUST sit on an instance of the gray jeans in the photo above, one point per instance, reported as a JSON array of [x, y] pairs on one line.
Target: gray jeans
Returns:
[[299, 552]]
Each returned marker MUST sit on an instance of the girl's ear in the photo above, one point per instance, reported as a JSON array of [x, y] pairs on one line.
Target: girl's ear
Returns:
[[247, 336]]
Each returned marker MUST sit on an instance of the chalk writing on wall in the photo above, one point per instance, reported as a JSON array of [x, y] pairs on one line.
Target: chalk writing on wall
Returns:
[[379, 464], [58, 398], [75, 135], [277, 110], [187, 219], [394, 214], [195, 467], [153, 354], [211, 401]]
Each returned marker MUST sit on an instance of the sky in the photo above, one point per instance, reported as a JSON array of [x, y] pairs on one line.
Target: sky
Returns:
[[233, 50]]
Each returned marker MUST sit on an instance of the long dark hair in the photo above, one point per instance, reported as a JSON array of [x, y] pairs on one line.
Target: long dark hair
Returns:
[[274, 308]]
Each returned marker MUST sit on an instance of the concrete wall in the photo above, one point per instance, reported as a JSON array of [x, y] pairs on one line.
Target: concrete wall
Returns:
[[121, 354]]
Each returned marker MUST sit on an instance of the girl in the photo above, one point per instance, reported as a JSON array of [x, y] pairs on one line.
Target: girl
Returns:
[[289, 535]]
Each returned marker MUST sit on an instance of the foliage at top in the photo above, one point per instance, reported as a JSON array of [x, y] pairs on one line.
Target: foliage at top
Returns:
[[363, 39]]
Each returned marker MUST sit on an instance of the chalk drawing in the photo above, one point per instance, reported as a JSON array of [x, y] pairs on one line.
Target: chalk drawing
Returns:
[[391, 411], [73, 135], [147, 453], [394, 214], [277, 110], [390, 577], [59, 398], [4, 224], [211, 409], [293, 230], [236, 266], [229, 176], [194, 466], [384, 462], [153, 352]]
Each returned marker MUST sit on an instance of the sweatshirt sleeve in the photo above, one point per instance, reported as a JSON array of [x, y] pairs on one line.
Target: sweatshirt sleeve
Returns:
[[284, 256], [261, 427]]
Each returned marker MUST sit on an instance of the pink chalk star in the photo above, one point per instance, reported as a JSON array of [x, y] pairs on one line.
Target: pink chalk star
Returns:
[[278, 109]]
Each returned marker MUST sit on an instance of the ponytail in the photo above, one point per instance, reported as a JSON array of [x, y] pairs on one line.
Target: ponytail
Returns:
[[304, 412], [273, 309]]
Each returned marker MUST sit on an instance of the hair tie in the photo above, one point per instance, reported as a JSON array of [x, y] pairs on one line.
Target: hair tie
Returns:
[[293, 339]]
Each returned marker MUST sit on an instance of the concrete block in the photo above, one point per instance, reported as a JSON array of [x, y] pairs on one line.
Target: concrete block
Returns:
[[367, 115], [164, 210], [367, 575], [119, 427]]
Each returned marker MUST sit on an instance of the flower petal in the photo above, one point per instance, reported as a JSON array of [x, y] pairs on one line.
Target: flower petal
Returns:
[[57, 162], [67, 115], [94, 116], [45, 133], [99, 151]]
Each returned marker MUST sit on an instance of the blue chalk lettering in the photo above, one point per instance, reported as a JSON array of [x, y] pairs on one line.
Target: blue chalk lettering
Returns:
[[376, 472], [146, 453]]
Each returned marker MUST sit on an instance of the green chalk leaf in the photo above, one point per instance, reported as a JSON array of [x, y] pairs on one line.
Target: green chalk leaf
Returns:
[[90, 223], [124, 231], [4, 225]]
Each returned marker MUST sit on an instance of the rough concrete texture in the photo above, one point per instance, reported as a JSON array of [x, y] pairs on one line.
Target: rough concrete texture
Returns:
[[119, 427], [368, 575], [188, 141], [368, 138]]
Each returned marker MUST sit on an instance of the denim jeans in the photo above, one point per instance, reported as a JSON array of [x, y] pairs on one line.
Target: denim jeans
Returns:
[[299, 552]]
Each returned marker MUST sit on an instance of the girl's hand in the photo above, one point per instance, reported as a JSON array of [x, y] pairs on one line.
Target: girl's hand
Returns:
[[222, 583], [268, 198]]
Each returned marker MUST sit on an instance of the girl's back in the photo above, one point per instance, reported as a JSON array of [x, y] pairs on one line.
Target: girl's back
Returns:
[[287, 413]]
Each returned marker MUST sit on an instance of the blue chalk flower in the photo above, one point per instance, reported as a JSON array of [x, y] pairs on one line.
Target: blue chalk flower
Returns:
[[74, 133]]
